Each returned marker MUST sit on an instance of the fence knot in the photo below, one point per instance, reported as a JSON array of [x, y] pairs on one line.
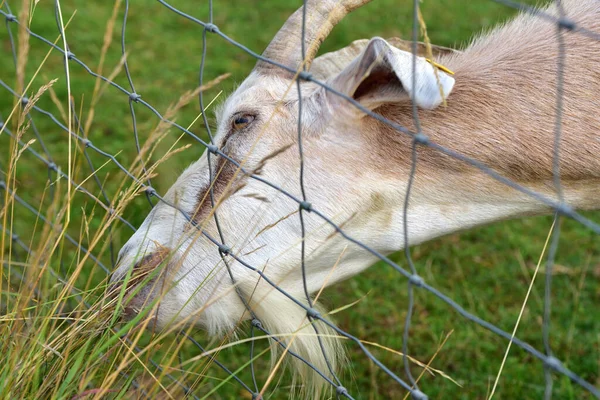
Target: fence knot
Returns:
[[150, 190], [341, 391], [256, 396], [11, 18], [416, 280], [421, 138], [212, 28], [224, 249], [256, 323], [212, 148], [2, 185], [418, 395], [313, 313], [52, 166], [564, 209], [133, 96], [86, 142], [15, 237], [553, 363], [566, 24], [306, 206], [305, 76], [1, 124], [111, 211], [24, 100], [70, 55]]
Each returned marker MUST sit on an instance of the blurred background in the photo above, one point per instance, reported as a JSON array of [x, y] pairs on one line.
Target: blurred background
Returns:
[[486, 270]]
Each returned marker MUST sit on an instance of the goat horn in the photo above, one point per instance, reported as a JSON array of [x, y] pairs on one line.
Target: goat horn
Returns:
[[321, 17]]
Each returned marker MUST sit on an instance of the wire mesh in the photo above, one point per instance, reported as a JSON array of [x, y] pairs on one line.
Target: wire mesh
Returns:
[[551, 364]]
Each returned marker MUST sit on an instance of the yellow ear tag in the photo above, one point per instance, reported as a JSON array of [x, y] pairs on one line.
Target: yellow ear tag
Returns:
[[439, 66]]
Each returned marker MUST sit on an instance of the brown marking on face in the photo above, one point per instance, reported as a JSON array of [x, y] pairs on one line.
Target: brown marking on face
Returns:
[[140, 272], [226, 173], [147, 265]]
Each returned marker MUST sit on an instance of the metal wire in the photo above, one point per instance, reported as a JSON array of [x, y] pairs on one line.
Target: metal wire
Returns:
[[419, 138]]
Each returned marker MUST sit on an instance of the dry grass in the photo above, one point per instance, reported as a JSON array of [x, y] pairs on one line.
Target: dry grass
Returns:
[[62, 337]]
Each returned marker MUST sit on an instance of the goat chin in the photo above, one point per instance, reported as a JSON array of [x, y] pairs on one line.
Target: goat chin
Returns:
[[316, 343]]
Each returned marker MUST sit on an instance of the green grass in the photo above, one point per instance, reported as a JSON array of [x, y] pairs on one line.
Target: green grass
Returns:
[[486, 270]]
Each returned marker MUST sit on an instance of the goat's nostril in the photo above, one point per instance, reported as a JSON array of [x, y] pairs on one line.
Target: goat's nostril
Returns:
[[152, 260], [136, 284], [142, 271]]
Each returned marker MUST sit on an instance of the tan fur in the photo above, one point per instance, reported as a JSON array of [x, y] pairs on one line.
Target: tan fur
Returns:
[[502, 110]]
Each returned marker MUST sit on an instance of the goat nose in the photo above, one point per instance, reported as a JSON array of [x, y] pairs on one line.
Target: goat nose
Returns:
[[150, 262], [143, 267], [144, 272]]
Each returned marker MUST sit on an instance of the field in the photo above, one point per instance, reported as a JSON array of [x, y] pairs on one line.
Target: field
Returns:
[[486, 270]]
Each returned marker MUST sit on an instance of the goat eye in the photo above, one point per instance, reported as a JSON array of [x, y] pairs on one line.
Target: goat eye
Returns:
[[242, 121]]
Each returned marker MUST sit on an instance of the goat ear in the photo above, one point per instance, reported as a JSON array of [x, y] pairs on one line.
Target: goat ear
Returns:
[[330, 64], [383, 74]]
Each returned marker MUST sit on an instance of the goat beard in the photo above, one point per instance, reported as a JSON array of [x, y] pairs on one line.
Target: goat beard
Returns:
[[309, 347]]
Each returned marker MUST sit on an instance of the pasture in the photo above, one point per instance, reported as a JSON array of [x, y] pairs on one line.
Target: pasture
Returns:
[[61, 343]]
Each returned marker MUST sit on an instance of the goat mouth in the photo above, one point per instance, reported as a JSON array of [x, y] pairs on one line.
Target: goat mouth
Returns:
[[134, 296], [144, 282], [135, 300]]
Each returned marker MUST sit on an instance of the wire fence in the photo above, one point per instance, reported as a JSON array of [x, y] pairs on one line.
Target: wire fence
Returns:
[[552, 364]]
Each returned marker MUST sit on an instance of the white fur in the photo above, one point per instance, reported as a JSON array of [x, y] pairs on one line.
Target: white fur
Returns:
[[344, 179]]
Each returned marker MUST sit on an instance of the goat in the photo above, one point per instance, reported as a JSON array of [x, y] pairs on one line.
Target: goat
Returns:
[[500, 110]]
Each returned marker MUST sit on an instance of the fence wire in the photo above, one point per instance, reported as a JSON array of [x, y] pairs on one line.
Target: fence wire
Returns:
[[552, 365]]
